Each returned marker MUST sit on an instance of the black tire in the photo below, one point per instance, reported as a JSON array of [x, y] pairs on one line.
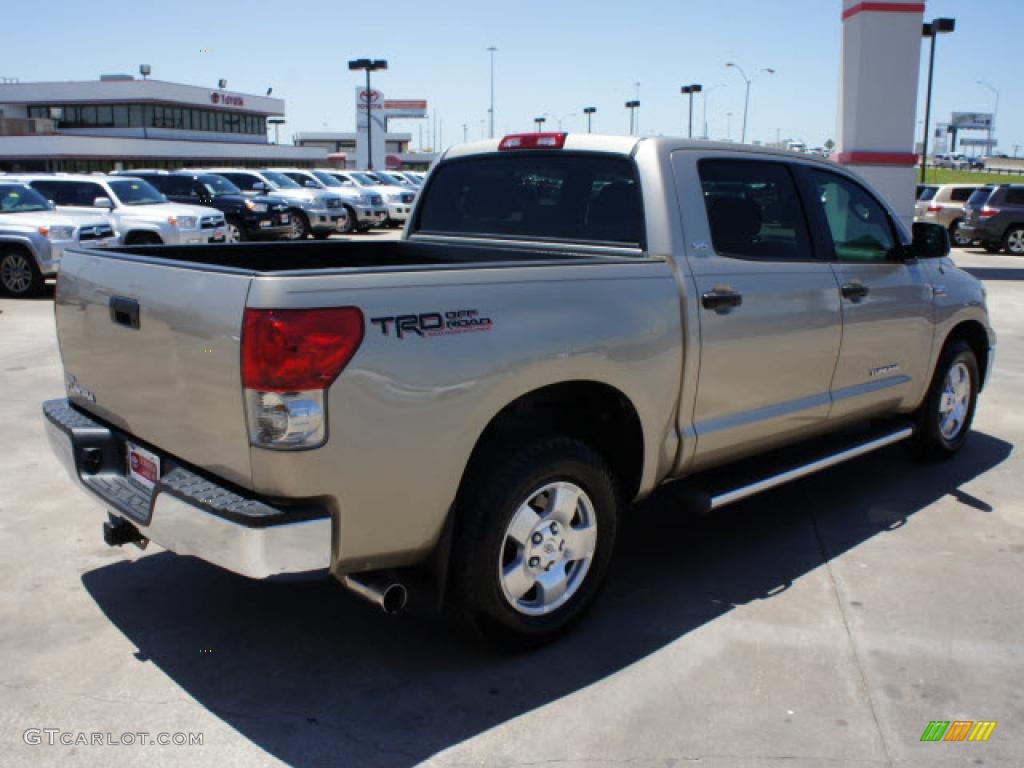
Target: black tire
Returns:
[[1013, 240], [300, 225], [955, 238], [491, 501], [236, 231], [322, 234], [992, 247], [930, 442], [19, 275], [352, 224]]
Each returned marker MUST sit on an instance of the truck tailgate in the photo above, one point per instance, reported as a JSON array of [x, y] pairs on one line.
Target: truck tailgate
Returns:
[[153, 349]]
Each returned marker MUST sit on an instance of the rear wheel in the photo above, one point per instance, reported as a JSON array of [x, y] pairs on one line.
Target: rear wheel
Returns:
[[534, 541], [958, 239], [1013, 240], [19, 275], [236, 232], [300, 226], [944, 419]]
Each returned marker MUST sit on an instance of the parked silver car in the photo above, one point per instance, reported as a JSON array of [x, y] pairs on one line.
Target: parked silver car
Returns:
[[365, 209]]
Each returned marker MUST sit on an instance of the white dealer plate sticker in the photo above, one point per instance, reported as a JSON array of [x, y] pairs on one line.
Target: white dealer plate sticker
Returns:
[[143, 465]]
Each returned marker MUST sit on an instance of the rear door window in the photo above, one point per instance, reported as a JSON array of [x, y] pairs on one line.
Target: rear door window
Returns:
[[979, 196], [71, 193], [542, 196], [1015, 196], [960, 194], [754, 210]]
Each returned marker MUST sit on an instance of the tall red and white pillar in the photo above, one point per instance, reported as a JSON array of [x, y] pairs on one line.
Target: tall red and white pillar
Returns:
[[878, 79]]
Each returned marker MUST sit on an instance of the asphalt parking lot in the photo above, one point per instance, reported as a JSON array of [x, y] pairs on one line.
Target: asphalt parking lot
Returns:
[[823, 624]]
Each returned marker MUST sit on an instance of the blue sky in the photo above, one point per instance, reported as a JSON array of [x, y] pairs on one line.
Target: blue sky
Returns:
[[554, 57]]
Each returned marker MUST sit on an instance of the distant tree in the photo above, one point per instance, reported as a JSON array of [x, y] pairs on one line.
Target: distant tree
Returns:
[[830, 145]]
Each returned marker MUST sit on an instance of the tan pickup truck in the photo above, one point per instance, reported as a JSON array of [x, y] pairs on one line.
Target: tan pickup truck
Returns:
[[568, 323]]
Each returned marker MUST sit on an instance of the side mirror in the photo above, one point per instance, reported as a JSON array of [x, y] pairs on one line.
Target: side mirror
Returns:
[[102, 202], [259, 186], [312, 184], [931, 241]]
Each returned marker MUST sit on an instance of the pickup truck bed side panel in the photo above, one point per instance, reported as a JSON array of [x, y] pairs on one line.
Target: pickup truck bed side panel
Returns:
[[406, 413], [174, 381]]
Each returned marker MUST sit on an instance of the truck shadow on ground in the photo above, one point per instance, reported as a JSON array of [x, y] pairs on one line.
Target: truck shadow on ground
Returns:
[[316, 677]]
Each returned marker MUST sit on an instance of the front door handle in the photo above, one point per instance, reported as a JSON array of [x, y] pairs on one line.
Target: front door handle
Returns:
[[124, 311], [854, 291], [721, 299]]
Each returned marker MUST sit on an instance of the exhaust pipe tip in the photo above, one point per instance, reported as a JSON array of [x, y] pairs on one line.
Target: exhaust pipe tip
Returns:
[[379, 589]]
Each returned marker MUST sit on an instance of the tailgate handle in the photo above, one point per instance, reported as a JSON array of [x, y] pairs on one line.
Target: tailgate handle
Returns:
[[124, 311]]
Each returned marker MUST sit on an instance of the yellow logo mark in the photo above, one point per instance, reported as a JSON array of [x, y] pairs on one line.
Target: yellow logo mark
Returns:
[[982, 730]]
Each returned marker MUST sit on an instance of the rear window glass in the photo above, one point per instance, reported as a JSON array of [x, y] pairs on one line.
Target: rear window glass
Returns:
[[979, 196], [960, 194], [1015, 196], [549, 196], [928, 193]]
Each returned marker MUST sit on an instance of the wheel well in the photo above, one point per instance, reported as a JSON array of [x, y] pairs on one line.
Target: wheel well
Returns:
[[600, 415], [976, 337], [19, 247], [140, 235]]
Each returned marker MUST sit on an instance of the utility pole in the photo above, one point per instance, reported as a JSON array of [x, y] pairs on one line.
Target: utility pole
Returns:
[[633, 106], [589, 112], [492, 50], [369, 65], [689, 90], [932, 30]]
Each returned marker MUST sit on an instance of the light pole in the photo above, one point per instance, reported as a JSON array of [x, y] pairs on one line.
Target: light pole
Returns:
[[728, 126], [540, 123], [689, 90], [932, 29], [277, 122], [632, 106], [492, 50], [465, 132], [995, 111], [589, 112], [368, 65], [746, 98]]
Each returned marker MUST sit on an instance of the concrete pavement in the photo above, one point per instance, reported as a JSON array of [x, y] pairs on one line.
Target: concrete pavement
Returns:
[[823, 624]]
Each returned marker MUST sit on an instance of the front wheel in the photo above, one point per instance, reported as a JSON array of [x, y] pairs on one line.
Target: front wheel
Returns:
[[19, 275], [236, 232], [534, 541], [1013, 240], [351, 223], [944, 419], [300, 226]]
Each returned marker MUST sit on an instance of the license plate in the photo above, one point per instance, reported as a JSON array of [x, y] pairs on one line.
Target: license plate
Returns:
[[143, 465], [219, 236], [284, 218]]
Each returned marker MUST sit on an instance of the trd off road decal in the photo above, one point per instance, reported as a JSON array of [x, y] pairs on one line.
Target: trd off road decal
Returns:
[[433, 323]]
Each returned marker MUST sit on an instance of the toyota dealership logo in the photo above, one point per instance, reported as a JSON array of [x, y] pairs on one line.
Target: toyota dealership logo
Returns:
[[215, 98], [369, 97]]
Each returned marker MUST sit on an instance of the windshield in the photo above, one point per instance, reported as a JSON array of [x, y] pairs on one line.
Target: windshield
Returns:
[[928, 193], [279, 180], [302, 178], [218, 185], [136, 192], [327, 179], [980, 196], [19, 198], [363, 179], [388, 178]]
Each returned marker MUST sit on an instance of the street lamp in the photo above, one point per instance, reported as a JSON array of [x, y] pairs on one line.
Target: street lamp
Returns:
[[689, 90], [589, 111], [746, 99], [368, 65], [540, 122], [932, 29], [492, 50], [277, 122], [632, 106], [145, 70], [995, 111]]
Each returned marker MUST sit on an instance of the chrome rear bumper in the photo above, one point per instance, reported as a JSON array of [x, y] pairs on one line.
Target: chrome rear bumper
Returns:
[[187, 513]]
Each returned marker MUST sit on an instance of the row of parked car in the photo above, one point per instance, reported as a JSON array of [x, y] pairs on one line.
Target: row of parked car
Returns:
[[991, 215], [42, 214]]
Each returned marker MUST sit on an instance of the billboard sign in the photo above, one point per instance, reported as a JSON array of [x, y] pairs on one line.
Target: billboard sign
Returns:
[[972, 121]]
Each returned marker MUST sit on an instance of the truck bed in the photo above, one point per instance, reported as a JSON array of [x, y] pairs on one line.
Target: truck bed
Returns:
[[296, 256]]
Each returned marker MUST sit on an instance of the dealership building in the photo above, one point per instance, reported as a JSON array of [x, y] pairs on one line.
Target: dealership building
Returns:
[[121, 122]]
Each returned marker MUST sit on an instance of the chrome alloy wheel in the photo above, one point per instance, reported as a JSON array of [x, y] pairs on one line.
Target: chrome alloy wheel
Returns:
[[16, 273], [1015, 242], [234, 233], [548, 548], [955, 401]]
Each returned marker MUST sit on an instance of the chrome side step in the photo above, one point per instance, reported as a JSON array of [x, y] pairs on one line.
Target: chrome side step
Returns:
[[772, 481]]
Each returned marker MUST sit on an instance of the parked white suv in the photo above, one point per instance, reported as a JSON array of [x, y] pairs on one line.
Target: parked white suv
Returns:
[[399, 200], [365, 209], [140, 214]]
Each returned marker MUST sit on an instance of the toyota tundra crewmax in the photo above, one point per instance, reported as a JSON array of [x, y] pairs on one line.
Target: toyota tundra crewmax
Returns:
[[568, 323]]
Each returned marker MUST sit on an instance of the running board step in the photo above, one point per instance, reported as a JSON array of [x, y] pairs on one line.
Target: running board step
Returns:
[[719, 488]]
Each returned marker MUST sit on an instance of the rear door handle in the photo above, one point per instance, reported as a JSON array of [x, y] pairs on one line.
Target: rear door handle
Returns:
[[854, 291], [124, 311], [721, 299]]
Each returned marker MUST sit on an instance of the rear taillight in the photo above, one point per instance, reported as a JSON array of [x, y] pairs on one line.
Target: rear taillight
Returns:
[[533, 141], [934, 208], [289, 358], [988, 213]]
